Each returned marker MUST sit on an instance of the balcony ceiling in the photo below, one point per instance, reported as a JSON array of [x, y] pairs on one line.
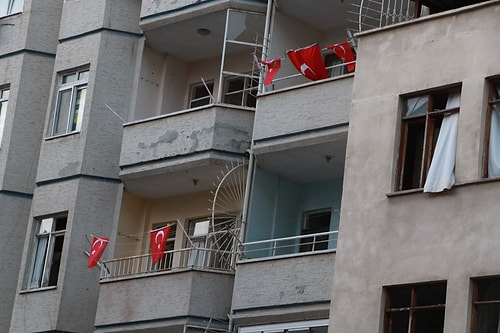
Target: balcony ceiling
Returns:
[[182, 39], [307, 164]]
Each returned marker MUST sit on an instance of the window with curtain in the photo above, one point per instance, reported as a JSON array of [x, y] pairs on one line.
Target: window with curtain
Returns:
[[486, 305], [416, 308], [70, 102], [4, 100], [47, 252], [428, 140], [492, 146], [9, 7]]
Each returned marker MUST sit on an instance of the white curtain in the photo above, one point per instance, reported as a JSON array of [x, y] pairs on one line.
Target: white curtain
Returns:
[[441, 172], [494, 146], [37, 271]]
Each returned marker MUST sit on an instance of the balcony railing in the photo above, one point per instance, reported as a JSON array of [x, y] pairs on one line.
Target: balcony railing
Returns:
[[295, 245], [172, 260]]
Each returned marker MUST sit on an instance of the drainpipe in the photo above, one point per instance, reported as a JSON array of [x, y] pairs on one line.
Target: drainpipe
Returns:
[[246, 199]]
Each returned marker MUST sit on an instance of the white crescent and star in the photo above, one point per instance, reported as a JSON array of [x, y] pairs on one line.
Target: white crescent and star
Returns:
[[97, 245], [158, 242]]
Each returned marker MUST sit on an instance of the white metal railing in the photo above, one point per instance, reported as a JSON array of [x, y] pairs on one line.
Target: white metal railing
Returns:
[[289, 245], [172, 260], [287, 81]]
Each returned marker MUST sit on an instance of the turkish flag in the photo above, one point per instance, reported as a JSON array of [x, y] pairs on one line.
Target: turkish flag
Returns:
[[343, 51], [96, 249], [273, 66], [158, 239], [309, 62]]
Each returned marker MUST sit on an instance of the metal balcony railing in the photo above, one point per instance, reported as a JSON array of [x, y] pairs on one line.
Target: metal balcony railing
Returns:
[[295, 245], [172, 260]]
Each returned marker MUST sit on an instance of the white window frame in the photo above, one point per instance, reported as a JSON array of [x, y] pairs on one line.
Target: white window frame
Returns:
[[75, 86], [250, 85], [203, 100], [4, 101], [291, 326], [10, 7], [43, 252]]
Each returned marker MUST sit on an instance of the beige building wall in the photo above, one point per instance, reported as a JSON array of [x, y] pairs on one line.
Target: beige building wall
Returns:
[[389, 237]]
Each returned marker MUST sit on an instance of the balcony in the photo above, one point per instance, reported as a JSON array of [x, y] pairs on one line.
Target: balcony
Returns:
[[171, 299], [162, 156], [283, 290]]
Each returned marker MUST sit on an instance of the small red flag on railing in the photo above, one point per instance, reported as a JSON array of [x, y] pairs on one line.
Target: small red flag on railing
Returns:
[[158, 239], [343, 51], [273, 66], [96, 250]]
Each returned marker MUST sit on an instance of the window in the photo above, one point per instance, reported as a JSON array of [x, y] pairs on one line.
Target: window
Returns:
[[486, 305], [241, 90], [334, 65], [314, 223], [415, 308], [309, 326], [428, 141], [70, 103], [9, 7], [48, 247], [492, 146], [4, 99], [212, 248], [201, 94]]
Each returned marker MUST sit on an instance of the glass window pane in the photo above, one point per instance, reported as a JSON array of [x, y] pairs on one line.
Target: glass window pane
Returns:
[[69, 78], [3, 114], [37, 270], [15, 6], [245, 26], [488, 318], [417, 106], [488, 289], [78, 109], [83, 75], [400, 297], [62, 114], [429, 321], [431, 294], [398, 322], [56, 260]]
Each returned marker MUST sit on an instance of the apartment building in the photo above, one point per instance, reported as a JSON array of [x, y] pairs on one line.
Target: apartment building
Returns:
[[146, 114]]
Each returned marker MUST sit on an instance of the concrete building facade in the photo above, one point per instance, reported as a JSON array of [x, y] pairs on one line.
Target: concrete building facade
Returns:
[[354, 202]]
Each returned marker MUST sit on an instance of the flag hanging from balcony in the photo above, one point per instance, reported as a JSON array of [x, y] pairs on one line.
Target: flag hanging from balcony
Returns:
[[309, 62], [96, 250], [344, 51], [158, 239], [273, 66]]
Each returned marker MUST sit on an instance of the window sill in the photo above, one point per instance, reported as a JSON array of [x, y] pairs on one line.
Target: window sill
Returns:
[[458, 184], [61, 135], [28, 291]]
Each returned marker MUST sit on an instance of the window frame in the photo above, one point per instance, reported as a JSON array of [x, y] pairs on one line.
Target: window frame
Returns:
[[413, 305], [12, 7], [4, 104], [195, 102], [310, 244], [74, 87], [492, 101], [250, 84], [431, 120], [476, 302], [41, 274]]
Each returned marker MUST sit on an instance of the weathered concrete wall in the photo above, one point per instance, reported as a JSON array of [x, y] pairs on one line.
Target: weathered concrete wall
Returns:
[[417, 237], [91, 210], [272, 288], [218, 128], [319, 105], [14, 213], [184, 293]]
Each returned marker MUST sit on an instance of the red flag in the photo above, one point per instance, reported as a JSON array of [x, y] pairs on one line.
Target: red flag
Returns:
[[343, 51], [309, 62], [158, 239], [96, 249], [273, 66]]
